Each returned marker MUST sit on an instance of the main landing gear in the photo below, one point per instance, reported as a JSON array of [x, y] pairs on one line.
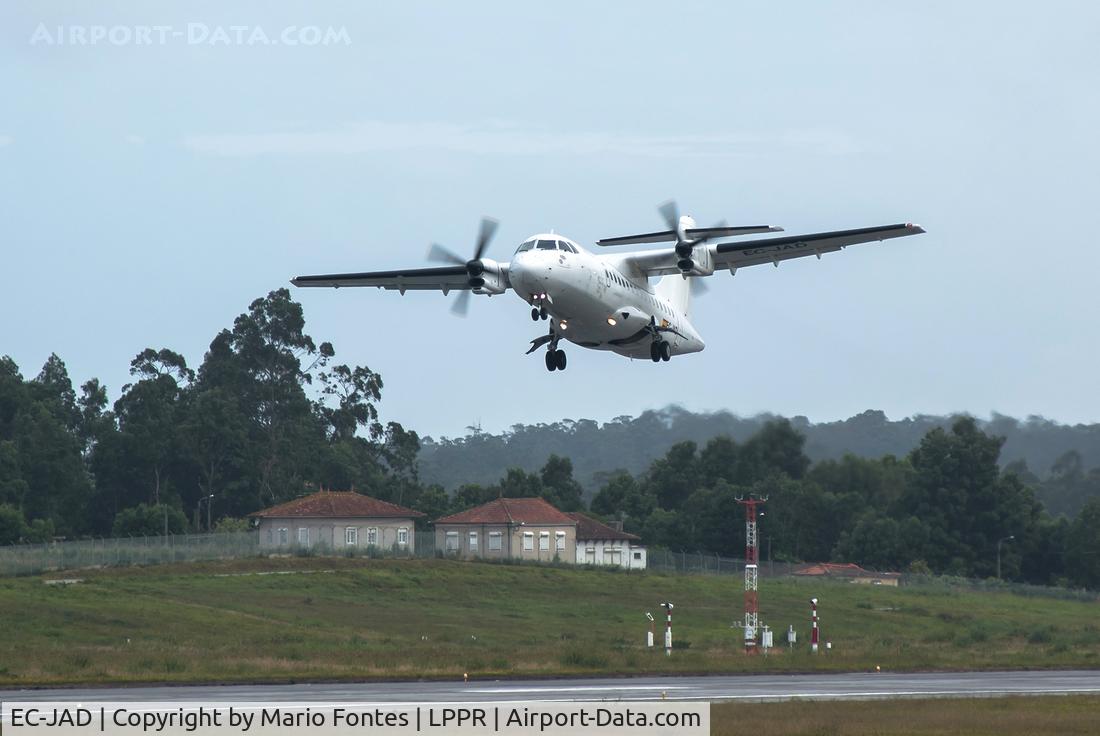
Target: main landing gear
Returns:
[[555, 359], [660, 350]]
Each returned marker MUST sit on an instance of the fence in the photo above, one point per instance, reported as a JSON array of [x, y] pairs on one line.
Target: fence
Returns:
[[703, 563], [29, 559]]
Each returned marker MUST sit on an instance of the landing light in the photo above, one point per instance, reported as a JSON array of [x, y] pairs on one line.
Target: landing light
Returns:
[[611, 321], [564, 326]]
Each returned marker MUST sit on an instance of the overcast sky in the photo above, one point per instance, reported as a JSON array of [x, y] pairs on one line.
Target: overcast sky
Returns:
[[150, 191]]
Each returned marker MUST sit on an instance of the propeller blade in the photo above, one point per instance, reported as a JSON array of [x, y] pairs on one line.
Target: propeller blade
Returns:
[[671, 213], [485, 234], [462, 304], [439, 254]]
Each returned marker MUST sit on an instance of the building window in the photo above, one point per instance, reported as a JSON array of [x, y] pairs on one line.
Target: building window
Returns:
[[351, 536], [528, 540], [473, 541], [494, 541], [372, 536], [637, 555], [544, 541], [303, 536], [403, 536], [452, 542], [559, 541], [613, 556], [284, 536]]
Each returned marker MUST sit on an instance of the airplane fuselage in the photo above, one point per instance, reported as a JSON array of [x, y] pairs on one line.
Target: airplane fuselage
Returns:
[[592, 304]]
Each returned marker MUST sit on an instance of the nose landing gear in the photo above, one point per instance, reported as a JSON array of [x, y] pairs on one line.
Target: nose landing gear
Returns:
[[538, 308]]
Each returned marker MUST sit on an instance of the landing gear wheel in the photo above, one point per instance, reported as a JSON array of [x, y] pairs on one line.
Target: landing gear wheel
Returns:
[[666, 351], [534, 314], [542, 313], [551, 360], [655, 352], [560, 359]]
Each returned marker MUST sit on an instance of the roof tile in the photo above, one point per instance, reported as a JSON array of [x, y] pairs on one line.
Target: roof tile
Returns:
[[337, 504], [510, 511], [589, 528]]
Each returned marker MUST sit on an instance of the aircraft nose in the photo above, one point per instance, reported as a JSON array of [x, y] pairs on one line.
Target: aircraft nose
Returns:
[[523, 273]]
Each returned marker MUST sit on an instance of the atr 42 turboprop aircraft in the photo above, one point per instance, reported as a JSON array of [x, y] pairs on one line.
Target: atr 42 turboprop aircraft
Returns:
[[606, 301]]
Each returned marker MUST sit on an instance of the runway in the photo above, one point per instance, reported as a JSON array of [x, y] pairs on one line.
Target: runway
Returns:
[[748, 688]]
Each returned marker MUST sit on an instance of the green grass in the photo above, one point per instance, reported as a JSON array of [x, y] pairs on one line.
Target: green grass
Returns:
[[362, 619], [1016, 716]]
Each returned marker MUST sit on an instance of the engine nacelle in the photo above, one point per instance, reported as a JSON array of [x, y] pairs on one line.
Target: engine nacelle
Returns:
[[697, 262], [486, 277]]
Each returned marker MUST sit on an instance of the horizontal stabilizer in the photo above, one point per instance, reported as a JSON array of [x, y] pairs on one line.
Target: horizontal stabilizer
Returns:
[[708, 233]]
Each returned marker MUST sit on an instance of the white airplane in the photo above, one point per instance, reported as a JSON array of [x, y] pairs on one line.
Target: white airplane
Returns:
[[606, 301]]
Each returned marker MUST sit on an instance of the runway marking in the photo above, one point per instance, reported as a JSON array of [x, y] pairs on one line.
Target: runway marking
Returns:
[[580, 688]]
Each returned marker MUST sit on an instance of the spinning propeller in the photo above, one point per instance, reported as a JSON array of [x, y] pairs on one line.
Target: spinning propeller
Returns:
[[685, 245], [474, 267]]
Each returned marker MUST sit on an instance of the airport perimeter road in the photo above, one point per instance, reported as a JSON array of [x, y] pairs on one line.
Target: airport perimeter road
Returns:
[[714, 688]]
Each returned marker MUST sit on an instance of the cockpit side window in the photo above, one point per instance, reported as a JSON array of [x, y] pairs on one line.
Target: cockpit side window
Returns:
[[568, 246], [548, 245], [528, 245]]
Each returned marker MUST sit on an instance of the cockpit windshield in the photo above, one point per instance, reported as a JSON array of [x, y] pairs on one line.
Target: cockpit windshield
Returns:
[[546, 244]]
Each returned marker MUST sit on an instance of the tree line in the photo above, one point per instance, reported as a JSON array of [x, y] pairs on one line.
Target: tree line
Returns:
[[269, 414], [1062, 460]]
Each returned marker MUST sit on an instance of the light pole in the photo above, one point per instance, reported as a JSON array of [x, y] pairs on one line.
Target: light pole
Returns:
[[1000, 541], [198, 512]]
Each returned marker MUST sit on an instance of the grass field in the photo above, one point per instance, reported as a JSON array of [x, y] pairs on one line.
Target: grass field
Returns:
[[1019, 716], [300, 618]]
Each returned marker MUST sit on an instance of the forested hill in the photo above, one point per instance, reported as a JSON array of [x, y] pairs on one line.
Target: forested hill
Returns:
[[632, 443]]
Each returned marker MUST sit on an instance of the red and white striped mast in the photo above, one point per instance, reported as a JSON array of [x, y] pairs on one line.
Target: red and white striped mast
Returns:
[[751, 623], [668, 628], [813, 632]]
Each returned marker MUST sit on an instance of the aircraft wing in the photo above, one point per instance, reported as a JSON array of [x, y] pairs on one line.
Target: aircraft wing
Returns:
[[445, 278], [774, 250], [767, 250]]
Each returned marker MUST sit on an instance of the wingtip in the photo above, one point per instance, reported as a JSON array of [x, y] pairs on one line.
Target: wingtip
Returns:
[[774, 229], [917, 229]]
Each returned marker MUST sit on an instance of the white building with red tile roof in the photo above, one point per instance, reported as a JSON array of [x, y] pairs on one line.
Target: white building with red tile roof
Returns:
[[601, 544], [337, 521]]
